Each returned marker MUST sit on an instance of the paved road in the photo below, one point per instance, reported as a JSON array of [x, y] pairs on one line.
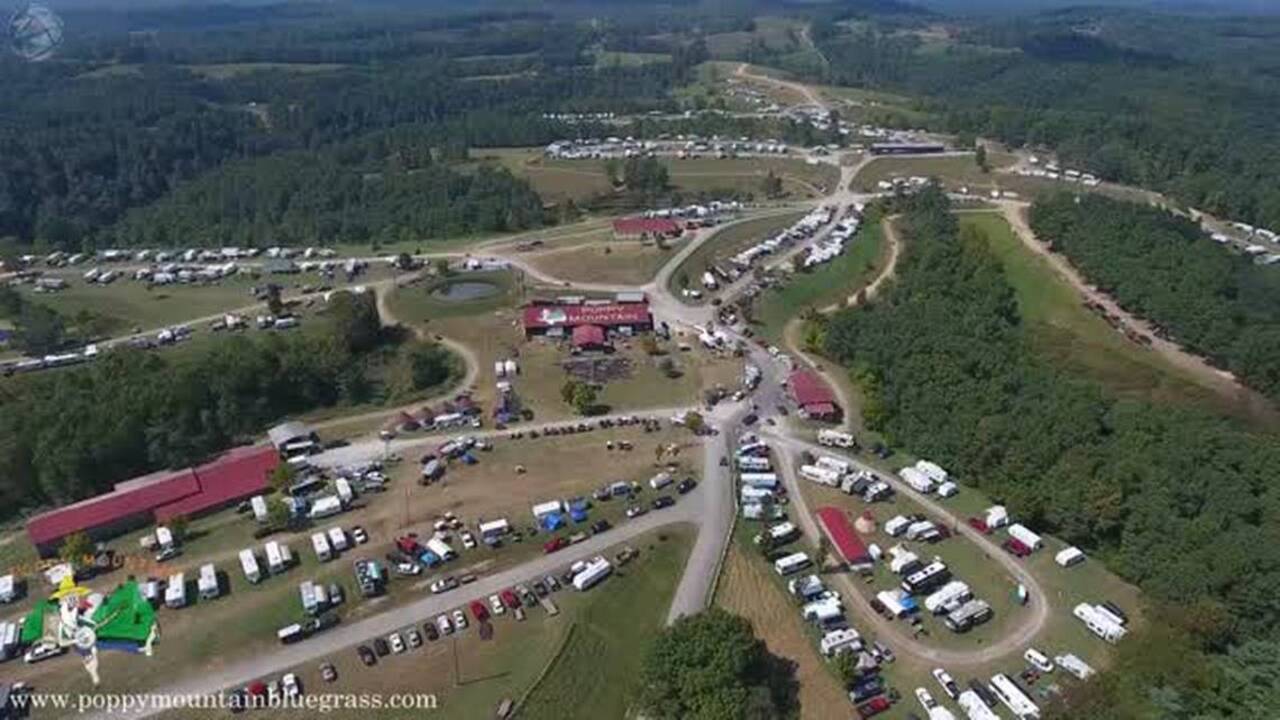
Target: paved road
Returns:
[[690, 509]]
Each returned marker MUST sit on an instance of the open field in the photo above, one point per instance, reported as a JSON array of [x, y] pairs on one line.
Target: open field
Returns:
[[609, 261], [829, 284], [589, 653], [610, 58], [234, 626], [775, 33], [1082, 341], [726, 243], [955, 171], [750, 588], [557, 180]]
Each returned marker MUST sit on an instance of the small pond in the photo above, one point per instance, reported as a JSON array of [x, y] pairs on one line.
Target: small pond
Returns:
[[466, 290]]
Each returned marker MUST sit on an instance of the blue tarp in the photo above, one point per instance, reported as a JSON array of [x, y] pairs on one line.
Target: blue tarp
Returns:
[[552, 521], [909, 603], [429, 559], [578, 514]]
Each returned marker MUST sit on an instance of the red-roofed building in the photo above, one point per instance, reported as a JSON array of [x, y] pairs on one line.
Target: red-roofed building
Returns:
[[137, 503], [588, 337], [813, 396], [639, 228], [844, 539], [555, 320]]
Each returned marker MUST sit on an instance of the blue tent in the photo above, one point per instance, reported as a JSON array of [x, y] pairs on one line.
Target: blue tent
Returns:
[[908, 603], [578, 514], [552, 521]]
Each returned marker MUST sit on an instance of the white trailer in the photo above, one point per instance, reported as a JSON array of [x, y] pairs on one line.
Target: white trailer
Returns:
[[494, 529], [954, 591], [806, 588], [175, 593], [916, 479], [320, 544], [933, 471], [259, 505], [337, 539], [1026, 537], [974, 708], [920, 529], [751, 494], [838, 641], [828, 462], [595, 571], [1099, 623], [782, 532], [207, 584], [948, 489], [310, 599], [792, 563], [835, 438], [249, 564], [1069, 556], [997, 517], [822, 611], [896, 525], [278, 557], [767, 481], [325, 506], [343, 488], [659, 481], [1013, 698], [8, 589], [542, 510], [441, 549], [822, 476], [902, 560], [751, 463]]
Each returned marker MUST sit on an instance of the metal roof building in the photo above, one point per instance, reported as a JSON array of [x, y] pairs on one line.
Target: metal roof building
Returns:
[[852, 551]]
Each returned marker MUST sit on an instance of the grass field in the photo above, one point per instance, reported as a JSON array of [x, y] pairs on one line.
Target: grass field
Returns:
[[609, 261], [609, 58], [726, 243], [955, 171], [831, 283], [557, 180], [1081, 341], [748, 587]]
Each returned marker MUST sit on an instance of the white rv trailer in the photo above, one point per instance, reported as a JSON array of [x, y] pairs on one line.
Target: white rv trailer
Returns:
[[249, 564]]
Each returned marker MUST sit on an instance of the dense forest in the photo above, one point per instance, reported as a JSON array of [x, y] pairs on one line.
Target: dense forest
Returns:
[[1163, 267], [1164, 102], [70, 433], [1179, 502]]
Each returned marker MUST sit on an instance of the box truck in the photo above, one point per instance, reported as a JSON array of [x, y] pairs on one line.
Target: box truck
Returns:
[[337, 539]]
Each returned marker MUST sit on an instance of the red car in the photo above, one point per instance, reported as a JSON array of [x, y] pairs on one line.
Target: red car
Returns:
[[980, 525], [554, 545], [873, 707], [480, 612], [509, 599], [1016, 547]]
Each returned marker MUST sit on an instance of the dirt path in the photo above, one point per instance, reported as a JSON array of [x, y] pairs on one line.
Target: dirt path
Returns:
[[1209, 376], [804, 90]]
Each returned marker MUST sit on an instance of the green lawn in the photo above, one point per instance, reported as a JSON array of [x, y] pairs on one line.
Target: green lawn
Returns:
[[1078, 339], [954, 171], [424, 299], [608, 59], [728, 242], [829, 284]]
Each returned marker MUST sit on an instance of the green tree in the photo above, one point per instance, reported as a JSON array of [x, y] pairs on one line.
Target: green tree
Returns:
[[980, 157], [354, 321], [441, 266], [584, 398], [76, 549], [178, 525], [277, 512], [711, 666], [281, 477], [569, 390], [275, 303], [40, 330]]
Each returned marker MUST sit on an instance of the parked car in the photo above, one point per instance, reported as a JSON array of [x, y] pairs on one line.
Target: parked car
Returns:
[[1038, 660], [509, 599], [445, 626], [874, 706], [412, 636], [289, 686], [459, 620], [359, 535], [444, 585], [42, 651], [396, 642], [1016, 547], [479, 611], [408, 569], [686, 486], [600, 526], [663, 501], [979, 524], [468, 540], [380, 647], [496, 604], [948, 683], [328, 672], [552, 583], [366, 655], [636, 511], [429, 629], [554, 545]]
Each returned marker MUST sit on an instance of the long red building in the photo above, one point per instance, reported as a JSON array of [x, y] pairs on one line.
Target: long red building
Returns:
[[233, 476], [844, 538], [622, 317], [813, 396]]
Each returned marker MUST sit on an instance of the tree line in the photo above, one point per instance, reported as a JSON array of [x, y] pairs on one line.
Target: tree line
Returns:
[[1163, 267], [1180, 502], [71, 433]]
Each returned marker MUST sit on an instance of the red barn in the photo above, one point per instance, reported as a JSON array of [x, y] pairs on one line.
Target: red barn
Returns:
[[639, 228], [234, 476], [813, 396], [848, 545]]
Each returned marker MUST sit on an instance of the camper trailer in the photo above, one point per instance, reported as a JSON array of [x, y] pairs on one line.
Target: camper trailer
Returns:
[[207, 584], [175, 593], [1026, 537], [259, 505], [595, 571], [792, 564], [249, 563], [337, 539], [278, 557], [320, 544], [835, 438]]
